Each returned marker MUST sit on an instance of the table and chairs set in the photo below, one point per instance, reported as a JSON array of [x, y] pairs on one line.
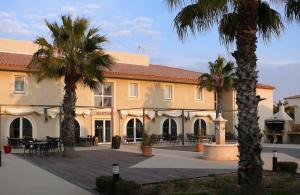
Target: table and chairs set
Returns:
[[87, 141], [35, 147]]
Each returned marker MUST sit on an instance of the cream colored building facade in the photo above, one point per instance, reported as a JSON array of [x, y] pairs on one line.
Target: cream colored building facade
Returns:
[[164, 100], [265, 107], [294, 101]]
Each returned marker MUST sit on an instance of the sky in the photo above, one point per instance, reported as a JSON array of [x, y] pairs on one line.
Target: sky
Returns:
[[129, 24]]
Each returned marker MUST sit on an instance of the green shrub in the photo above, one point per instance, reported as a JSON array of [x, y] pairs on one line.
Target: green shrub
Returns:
[[104, 184], [122, 187], [290, 167]]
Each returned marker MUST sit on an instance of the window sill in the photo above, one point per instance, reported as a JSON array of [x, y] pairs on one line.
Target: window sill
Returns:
[[19, 92]]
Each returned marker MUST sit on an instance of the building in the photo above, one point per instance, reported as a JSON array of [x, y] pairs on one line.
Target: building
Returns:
[[295, 132], [294, 101], [163, 99]]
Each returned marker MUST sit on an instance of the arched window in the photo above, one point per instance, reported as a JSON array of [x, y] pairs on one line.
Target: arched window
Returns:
[[169, 128], [199, 127], [20, 127], [134, 130]]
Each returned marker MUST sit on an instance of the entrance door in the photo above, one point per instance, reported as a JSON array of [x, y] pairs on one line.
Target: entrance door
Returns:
[[103, 131]]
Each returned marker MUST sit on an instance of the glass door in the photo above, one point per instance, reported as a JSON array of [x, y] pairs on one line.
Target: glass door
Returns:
[[107, 131], [103, 131]]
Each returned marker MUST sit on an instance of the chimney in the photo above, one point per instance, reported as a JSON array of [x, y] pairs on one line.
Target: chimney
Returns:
[[281, 108]]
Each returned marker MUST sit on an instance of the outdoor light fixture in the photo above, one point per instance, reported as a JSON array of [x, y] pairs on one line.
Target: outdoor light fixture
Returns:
[[115, 172], [275, 160]]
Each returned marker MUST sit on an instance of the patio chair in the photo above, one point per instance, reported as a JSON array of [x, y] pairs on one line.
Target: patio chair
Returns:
[[89, 140], [28, 145], [154, 138], [128, 140]]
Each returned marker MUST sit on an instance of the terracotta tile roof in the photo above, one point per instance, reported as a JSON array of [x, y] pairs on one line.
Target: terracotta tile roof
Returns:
[[293, 97], [153, 72], [19, 62]]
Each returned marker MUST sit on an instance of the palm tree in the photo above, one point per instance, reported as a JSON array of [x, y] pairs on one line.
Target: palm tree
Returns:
[[75, 54], [238, 21], [220, 78]]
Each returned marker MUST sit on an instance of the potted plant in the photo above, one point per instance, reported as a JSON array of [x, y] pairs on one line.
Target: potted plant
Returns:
[[146, 144], [116, 142], [7, 149]]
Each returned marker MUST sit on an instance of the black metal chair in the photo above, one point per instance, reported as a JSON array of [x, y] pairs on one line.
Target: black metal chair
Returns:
[[28, 145]]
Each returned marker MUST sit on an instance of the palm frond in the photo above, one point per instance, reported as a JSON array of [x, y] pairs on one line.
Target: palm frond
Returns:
[[269, 22], [292, 10], [80, 26], [75, 52], [221, 75], [199, 17], [228, 28], [173, 4]]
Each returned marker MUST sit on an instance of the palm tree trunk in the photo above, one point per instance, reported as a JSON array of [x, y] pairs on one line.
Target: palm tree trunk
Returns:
[[250, 163], [69, 103], [219, 109]]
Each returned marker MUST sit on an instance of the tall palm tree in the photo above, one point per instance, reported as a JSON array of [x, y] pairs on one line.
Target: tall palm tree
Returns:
[[238, 21], [75, 54], [220, 78]]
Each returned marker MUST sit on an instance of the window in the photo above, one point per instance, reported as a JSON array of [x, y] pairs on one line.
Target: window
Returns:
[[198, 93], [134, 90], [168, 92], [169, 129], [200, 127], [20, 128], [19, 84], [103, 95], [134, 130]]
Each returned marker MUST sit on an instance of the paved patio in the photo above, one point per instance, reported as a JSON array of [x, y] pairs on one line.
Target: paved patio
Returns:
[[83, 170], [168, 162]]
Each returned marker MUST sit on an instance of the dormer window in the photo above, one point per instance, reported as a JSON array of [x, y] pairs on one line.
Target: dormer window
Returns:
[[133, 90], [199, 95], [168, 92], [19, 84]]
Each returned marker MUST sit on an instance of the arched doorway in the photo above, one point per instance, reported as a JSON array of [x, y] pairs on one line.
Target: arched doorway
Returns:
[[200, 127], [134, 130], [20, 128], [169, 129]]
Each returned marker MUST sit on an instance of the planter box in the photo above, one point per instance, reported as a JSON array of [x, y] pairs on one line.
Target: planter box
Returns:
[[147, 150], [7, 149], [200, 147]]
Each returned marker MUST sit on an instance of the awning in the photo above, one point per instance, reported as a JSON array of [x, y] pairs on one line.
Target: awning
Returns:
[[21, 111], [53, 112], [137, 113], [193, 114], [50, 112], [172, 113]]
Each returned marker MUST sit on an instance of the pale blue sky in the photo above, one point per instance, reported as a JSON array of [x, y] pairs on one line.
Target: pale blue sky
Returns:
[[129, 23]]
